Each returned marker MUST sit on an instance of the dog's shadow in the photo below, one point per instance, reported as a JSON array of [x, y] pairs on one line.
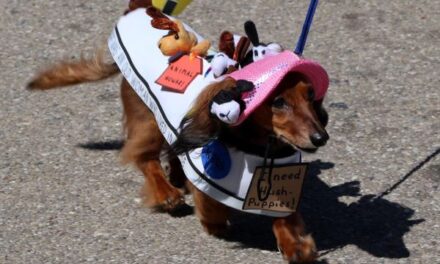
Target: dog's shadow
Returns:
[[103, 145], [372, 223]]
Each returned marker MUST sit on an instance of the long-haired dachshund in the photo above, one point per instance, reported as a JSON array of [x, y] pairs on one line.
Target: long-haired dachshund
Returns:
[[290, 114]]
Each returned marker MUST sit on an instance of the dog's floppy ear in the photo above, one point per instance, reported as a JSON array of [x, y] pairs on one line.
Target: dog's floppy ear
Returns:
[[199, 126], [160, 21]]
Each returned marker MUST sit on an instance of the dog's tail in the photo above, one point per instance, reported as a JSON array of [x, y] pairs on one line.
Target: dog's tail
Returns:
[[69, 73]]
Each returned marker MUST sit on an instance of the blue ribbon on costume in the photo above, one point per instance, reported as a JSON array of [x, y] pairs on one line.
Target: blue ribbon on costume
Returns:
[[306, 27]]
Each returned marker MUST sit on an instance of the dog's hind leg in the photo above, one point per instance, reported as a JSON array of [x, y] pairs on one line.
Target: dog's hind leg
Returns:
[[292, 240], [142, 147], [212, 214]]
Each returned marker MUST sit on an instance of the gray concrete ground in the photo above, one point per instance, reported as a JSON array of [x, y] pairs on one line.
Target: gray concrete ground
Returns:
[[66, 200]]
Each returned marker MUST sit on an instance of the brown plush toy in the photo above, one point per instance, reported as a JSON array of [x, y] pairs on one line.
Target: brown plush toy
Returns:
[[178, 39], [230, 54], [135, 4]]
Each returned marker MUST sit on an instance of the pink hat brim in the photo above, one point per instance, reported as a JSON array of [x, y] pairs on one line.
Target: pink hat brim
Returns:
[[267, 73]]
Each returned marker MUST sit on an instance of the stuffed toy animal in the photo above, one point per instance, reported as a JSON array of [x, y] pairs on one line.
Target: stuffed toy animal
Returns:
[[233, 50], [223, 61], [171, 7], [168, 7], [178, 40], [259, 49], [135, 4], [221, 64], [228, 105], [234, 54]]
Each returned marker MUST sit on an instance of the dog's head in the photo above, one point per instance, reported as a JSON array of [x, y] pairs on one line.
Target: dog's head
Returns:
[[291, 113], [178, 39]]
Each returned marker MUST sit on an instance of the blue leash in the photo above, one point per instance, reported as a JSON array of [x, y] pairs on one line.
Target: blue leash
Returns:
[[306, 27]]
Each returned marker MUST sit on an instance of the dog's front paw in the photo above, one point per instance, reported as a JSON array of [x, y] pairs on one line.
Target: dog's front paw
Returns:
[[301, 250], [165, 198], [170, 201]]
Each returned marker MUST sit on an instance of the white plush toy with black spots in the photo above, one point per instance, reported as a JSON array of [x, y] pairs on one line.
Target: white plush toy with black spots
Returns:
[[228, 105], [259, 49], [221, 63]]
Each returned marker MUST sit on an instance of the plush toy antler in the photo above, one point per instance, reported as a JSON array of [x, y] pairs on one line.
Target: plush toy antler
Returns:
[[135, 4], [178, 39], [160, 21], [259, 49]]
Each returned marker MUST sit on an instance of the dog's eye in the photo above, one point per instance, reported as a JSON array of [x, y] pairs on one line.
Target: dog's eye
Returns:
[[310, 94], [176, 36], [279, 102]]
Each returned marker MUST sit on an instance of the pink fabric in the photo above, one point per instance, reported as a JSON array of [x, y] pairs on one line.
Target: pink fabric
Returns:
[[267, 73]]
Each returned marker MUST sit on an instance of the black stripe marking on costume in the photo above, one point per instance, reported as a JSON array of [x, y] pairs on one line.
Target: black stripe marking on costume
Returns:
[[169, 7], [174, 130]]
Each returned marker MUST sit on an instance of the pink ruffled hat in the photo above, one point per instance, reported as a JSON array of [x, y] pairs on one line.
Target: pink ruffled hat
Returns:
[[267, 73]]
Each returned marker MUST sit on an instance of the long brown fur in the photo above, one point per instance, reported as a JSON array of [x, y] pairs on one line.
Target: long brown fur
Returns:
[[300, 118], [293, 242], [212, 214], [198, 126], [68, 73], [144, 143], [143, 146]]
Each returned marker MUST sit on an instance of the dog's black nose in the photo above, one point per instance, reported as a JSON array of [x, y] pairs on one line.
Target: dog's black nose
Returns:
[[319, 139]]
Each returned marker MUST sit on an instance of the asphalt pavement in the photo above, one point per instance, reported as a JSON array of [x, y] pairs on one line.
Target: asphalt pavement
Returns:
[[372, 194]]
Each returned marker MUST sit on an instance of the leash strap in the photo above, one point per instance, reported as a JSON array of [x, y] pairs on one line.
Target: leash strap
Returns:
[[306, 27], [265, 179]]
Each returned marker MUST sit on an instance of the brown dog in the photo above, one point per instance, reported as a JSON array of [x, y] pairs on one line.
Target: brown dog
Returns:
[[290, 114]]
